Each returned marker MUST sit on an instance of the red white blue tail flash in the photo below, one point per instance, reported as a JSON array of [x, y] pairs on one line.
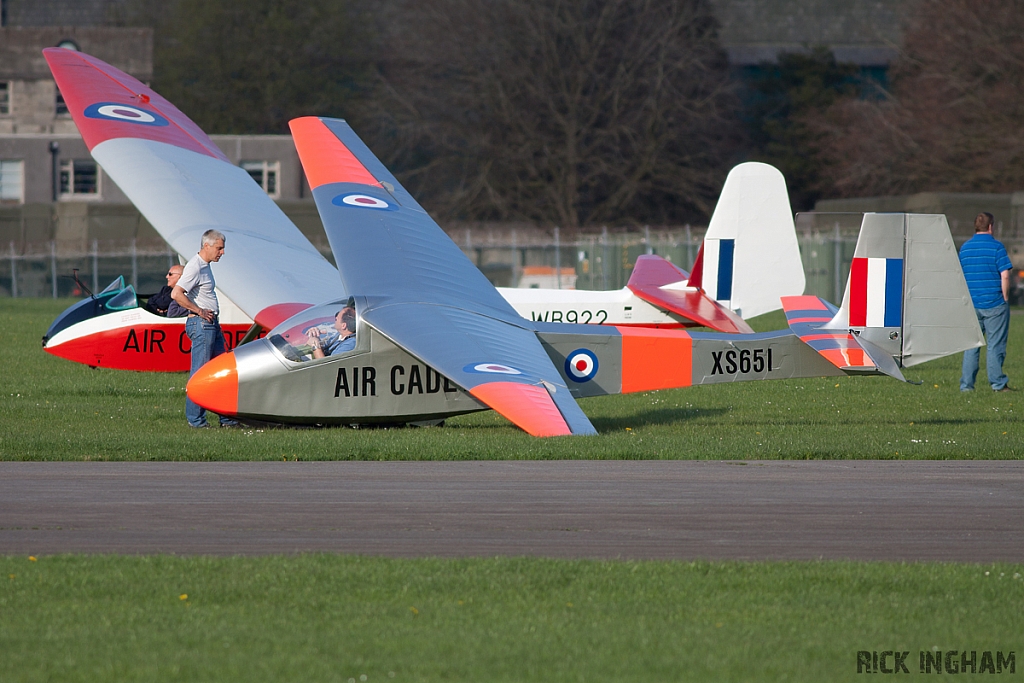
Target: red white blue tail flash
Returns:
[[876, 292]]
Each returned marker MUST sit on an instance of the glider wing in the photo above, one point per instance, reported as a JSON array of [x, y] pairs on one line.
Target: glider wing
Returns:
[[422, 292], [184, 185]]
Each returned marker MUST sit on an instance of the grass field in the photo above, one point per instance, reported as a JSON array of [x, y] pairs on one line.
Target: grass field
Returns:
[[51, 409], [335, 618], [349, 619]]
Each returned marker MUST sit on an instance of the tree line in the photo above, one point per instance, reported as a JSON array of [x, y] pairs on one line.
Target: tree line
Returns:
[[578, 113]]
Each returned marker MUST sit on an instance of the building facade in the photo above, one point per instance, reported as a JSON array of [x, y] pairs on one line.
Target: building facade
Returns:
[[51, 189]]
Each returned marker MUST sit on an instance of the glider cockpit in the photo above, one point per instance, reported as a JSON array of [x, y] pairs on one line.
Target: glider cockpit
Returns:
[[325, 325], [111, 329], [114, 297]]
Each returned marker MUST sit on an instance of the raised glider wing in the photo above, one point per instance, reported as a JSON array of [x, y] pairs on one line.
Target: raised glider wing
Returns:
[[178, 178], [434, 339]]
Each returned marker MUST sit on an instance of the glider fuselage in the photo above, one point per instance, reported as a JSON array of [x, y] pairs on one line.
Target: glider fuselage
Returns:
[[276, 380]]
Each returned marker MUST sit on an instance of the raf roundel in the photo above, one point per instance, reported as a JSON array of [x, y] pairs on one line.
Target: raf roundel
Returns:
[[581, 365], [111, 111], [363, 201], [495, 368]]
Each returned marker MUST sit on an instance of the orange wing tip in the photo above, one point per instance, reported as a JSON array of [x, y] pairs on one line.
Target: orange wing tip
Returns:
[[215, 385], [528, 406], [325, 159]]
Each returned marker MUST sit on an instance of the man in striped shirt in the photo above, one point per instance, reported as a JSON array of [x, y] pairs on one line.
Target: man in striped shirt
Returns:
[[987, 267]]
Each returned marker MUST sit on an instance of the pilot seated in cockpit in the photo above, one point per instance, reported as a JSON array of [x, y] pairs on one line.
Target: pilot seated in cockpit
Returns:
[[338, 338]]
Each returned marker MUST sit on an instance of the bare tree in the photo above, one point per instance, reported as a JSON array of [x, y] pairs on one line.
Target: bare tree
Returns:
[[566, 112], [953, 121], [248, 66]]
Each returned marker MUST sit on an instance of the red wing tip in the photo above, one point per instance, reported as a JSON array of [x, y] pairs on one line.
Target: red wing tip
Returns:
[[653, 270], [301, 120], [324, 157], [528, 406]]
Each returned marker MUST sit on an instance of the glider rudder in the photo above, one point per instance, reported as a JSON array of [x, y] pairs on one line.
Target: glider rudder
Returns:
[[906, 293]]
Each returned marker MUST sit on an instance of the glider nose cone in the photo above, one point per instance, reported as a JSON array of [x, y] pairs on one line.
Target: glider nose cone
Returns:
[[215, 385]]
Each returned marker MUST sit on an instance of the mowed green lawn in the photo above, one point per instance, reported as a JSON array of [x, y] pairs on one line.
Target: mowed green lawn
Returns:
[[349, 619], [336, 618], [52, 409]]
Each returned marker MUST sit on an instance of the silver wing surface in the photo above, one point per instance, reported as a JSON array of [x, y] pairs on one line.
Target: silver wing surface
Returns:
[[184, 185], [422, 292]]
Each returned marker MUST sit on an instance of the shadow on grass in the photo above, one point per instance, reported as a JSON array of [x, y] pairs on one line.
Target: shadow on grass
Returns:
[[949, 421], [855, 421], [660, 417]]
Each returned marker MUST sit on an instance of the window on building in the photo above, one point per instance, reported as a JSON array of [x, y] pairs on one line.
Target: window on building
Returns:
[[62, 107], [5, 98], [79, 178], [266, 174], [12, 181]]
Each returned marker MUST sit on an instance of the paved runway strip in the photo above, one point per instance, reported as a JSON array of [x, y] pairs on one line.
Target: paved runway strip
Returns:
[[867, 510]]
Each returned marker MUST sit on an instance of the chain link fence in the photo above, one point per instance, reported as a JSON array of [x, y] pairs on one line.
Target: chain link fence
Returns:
[[509, 258], [592, 262]]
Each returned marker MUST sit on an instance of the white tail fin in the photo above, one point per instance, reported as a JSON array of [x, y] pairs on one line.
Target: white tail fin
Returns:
[[750, 254], [906, 293]]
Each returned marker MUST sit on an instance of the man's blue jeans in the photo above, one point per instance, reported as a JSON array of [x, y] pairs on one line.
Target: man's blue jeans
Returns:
[[207, 343], [995, 323]]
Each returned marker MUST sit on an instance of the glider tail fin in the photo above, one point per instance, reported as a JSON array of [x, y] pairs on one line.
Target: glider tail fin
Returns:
[[750, 257], [906, 294]]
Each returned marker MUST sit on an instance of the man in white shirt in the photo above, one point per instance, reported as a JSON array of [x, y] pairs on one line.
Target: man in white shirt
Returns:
[[195, 292]]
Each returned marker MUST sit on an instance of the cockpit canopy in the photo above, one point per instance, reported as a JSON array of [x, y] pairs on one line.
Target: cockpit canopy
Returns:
[[114, 297], [329, 327]]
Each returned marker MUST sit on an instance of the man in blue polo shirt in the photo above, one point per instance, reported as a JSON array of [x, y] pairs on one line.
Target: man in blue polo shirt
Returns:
[[987, 269]]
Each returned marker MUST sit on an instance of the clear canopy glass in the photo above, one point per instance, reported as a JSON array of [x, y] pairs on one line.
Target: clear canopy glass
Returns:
[[318, 332]]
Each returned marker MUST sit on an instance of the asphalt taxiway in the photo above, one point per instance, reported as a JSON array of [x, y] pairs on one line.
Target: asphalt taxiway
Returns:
[[965, 511]]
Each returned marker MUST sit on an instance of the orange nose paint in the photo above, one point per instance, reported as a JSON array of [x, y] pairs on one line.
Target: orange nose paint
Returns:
[[215, 385]]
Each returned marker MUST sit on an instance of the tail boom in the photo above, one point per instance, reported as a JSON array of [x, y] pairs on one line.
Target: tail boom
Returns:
[[624, 360]]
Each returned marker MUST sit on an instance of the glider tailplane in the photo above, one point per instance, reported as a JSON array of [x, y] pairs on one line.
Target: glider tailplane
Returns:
[[809, 316], [652, 281], [906, 295]]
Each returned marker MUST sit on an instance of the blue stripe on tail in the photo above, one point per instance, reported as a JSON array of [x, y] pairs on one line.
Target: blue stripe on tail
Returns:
[[725, 254], [893, 292]]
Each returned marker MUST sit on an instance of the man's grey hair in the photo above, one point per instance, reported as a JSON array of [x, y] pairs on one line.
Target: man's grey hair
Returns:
[[211, 236]]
